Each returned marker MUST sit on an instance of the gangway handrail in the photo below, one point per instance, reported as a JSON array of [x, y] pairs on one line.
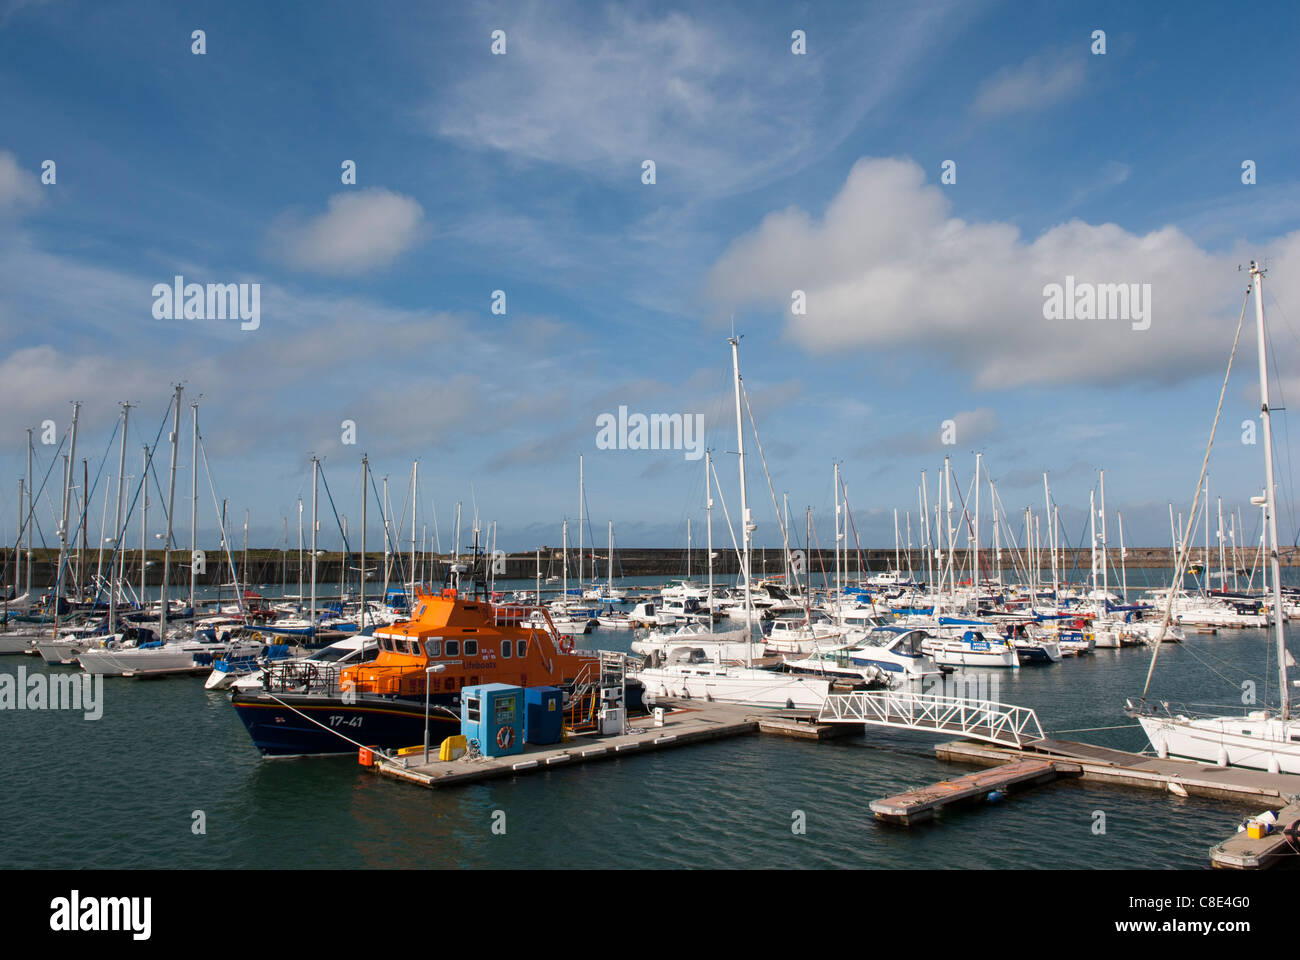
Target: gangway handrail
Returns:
[[979, 719]]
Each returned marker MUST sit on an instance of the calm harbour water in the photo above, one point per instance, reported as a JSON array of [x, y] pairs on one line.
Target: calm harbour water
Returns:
[[121, 792]]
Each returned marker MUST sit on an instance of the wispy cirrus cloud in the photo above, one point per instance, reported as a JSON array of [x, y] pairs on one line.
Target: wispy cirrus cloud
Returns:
[[1041, 81], [719, 106]]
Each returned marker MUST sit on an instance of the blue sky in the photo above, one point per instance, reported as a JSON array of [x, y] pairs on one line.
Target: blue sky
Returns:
[[775, 172]]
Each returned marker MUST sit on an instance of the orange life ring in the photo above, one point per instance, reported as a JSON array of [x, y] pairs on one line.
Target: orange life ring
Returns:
[[505, 737]]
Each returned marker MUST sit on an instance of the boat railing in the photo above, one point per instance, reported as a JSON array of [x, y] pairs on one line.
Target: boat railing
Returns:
[[298, 676], [1171, 709], [512, 614]]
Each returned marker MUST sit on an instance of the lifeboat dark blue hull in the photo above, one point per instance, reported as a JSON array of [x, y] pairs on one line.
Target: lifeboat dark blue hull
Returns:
[[296, 725], [313, 725]]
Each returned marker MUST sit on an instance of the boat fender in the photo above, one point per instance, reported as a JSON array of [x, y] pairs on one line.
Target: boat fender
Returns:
[[996, 796]]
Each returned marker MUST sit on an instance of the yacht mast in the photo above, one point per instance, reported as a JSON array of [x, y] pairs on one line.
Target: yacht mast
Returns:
[[785, 504], [300, 555], [1092, 535], [947, 486], [581, 559], [315, 465], [1051, 537], [18, 544], [63, 527], [708, 522], [975, 537], [897, 560], [925, 533], [1123, 568], [839, 589], [1270, 506], [997, 535], [747, 527], [117, 526], [365, 480], [31, 501], [909, 545], [415, 472], [194, 508], [1105, 572], [171, 505], [1223, 581], [144, 520]]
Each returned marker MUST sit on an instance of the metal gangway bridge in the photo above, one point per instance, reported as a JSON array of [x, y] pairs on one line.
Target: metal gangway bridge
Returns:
[[987, 720]]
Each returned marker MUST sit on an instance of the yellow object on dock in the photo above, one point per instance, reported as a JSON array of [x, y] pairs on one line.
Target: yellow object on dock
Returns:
[[453, 748], [1261, 845]]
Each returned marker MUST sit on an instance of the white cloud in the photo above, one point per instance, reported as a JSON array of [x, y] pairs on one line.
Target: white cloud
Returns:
[[968, 427], [19, 188], [361, 230], [889, 267], [1112, 175], [1040, 81]]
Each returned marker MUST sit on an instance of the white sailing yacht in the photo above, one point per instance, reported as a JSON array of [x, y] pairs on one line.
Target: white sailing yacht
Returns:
[[1261, 739]]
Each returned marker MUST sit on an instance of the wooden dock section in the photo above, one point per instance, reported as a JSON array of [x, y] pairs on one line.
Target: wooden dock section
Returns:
[[1184, 778], [916, 806], [803, 725], [1240, 852], [685, 722]]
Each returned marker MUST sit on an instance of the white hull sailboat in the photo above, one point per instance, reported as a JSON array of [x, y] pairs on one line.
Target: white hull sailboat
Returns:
[[726, 646], [703, 679], [1256, 740], [176, 656]]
